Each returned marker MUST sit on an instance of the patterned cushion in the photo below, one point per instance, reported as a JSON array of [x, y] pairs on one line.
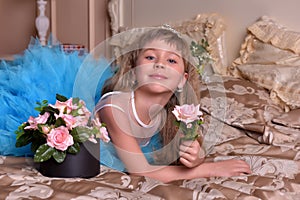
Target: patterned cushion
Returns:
[[270, 58]]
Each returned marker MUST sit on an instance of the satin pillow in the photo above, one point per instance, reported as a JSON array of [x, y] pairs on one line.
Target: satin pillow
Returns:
[[270, 58]]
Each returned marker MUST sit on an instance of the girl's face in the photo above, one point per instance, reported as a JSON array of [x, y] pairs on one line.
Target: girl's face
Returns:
[[160, 67]]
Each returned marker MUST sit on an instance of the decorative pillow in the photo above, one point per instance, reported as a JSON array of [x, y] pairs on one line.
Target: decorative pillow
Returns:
[[270, 58], [254, 51], [281, 80], [208, 26], [269, 31]]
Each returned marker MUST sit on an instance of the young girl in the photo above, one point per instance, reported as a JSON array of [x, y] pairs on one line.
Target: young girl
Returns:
[[136, 108]]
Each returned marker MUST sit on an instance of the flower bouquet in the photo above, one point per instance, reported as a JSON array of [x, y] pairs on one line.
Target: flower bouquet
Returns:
[[61, 130], [188, 119]]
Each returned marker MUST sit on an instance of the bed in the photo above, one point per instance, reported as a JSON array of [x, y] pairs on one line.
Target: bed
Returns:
[[252, 108]]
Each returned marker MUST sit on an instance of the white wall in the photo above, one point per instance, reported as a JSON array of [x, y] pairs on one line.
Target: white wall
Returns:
[[238, 14]]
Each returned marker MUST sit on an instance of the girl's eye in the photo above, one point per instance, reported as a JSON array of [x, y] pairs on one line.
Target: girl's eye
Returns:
[[172, 61], [150, 57]]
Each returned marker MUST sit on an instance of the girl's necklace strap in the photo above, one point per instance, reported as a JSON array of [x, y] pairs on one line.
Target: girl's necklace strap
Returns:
[[136, 115]]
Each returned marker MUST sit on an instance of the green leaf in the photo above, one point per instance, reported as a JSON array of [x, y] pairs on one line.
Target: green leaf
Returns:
[[200, 122], [50, 109], [59, 156], [35, 146], [190, 137], [74, 149], [20, 130], [177, 123], [43, 153], [23, 140], [61, 98], [75, 100], [41, 106], [60, 122], [81, 133]]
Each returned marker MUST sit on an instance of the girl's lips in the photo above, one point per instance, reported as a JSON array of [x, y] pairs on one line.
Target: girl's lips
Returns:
[[158, 76]]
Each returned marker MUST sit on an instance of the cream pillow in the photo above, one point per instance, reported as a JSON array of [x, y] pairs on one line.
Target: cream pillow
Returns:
[[255, 51], [269, 57], [269, 31], [281, 80]]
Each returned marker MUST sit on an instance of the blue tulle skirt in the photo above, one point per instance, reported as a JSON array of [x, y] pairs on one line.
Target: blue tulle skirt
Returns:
[[38, 74], [110, 158]]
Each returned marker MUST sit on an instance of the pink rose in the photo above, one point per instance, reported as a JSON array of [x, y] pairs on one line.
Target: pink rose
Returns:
[[64, 107], [81, 121], [45, 129], [68, 119], [102, 129], [41, 119], [96, 122], [60, 138], [83, 111], [187, 113], [104, 134]]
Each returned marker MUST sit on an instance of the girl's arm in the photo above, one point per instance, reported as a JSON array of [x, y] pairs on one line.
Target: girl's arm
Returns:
[[133, 158]]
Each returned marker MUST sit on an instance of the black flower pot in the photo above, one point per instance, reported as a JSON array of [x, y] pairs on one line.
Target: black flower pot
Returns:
[[84, 164]]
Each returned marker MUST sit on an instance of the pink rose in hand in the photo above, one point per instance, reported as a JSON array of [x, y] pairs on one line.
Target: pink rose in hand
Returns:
[[60, 138], [187, 113], [191, 117]]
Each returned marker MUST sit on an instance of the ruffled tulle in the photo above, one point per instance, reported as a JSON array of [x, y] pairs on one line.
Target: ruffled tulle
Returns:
[[38, 74]]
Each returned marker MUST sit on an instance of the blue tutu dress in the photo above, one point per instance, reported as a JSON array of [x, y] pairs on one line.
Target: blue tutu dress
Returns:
[[38, 74], [109, 156]]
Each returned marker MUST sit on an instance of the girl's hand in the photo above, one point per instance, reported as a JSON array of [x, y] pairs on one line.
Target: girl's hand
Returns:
[[191, 154], [229, 168]]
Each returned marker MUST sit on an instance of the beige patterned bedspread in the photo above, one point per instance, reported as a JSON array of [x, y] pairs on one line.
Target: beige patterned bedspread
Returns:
[[246, 131]]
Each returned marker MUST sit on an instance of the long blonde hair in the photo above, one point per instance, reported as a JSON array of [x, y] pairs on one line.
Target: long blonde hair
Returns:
[[123, 81]]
